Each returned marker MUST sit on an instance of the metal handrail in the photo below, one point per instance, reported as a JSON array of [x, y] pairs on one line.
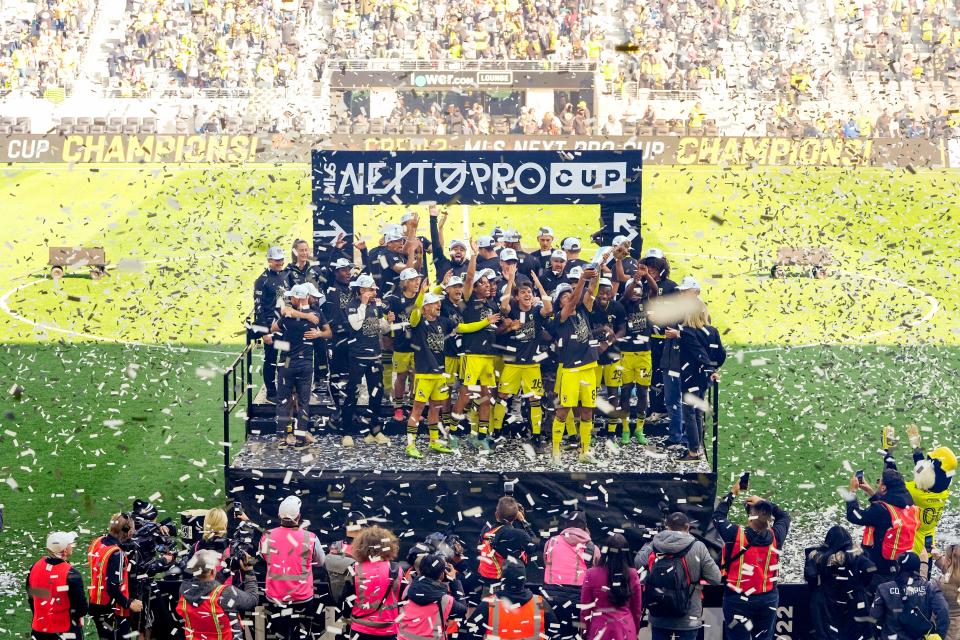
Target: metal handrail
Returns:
[[715, 403]]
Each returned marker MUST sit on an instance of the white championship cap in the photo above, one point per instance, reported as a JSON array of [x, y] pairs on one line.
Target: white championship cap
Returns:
[[508, 254], [544, 232], [653, 252], [489, 274], [485, 242], [58, 541], [431, 298], [409, 274], [276, 253], [456, 242], [688, 282], [299, 291], [454, 281], [575, 273], [289, 508], [341, 263], [364, 281], [559, 254], [571, 244], [511, 235]]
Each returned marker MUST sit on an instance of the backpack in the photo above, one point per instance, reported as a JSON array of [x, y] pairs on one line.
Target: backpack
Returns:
[[667, 585], [337, 568]]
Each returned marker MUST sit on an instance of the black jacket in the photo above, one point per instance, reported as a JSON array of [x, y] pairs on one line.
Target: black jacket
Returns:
[[896, 599], [441, 262], [515, 540], [267, 289], [424, 591], [76, 594], [113, 578], [729, 530], [877, 516], [839, 593], [701, 354]]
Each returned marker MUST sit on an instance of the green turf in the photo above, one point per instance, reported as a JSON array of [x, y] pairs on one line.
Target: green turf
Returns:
[[191, 241]]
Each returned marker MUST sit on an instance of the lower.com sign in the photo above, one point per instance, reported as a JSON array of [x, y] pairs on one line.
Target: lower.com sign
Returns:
[[423, 80]]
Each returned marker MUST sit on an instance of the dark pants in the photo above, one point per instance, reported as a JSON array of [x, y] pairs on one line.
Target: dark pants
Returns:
[[339, 372], [673, 396], [692, 419], [270, 369], [370, 370], [292, 621], [110, 627], [657, 403], [760, 610], [320, 363], [670, 634], [296, 377]]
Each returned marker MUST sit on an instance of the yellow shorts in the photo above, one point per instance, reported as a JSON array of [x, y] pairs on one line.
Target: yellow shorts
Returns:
[[637, 367], [521, 376], [430, 387], [498, 364], [479, 371], [451, 367], [402, 362], [578, 387], [610, 375]]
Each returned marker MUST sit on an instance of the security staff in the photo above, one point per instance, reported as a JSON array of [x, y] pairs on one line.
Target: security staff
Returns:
[[513, 612], [55, 592], [298, 327], [208, 608], [268, 288], [110, 603]]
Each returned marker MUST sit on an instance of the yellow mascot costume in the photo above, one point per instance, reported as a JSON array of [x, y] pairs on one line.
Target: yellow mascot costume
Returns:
[[930, 487]]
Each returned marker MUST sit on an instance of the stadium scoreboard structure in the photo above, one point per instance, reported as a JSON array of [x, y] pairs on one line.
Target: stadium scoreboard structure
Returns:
[[343, 180]]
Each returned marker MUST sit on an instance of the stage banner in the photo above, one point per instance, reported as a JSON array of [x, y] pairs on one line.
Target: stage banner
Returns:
[[345, 179]]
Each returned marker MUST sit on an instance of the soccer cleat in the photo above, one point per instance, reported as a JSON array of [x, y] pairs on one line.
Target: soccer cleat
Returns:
[[556, 458], [689, 457], [639, 437], [347, 441], [485, 446], [586, 458], [624, 438], [413, 452], [381, 438], [454, 442], [369, 439], [439, 447], [611, 445]]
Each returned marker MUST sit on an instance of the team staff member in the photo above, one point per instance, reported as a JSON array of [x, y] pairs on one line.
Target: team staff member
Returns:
[[429, 331], [576, 381], [401, 303], [554, 271], [368, 320], [109, 590], [479, 375], [290, 552], [55, 592], [609, 322], [635, 349], [208, 608], [523, 322], [751, 561], [268, 288], [659, 268], [298, 327], [338, 297], [298, 271], [457, 260], [545, 240], [528, 264]]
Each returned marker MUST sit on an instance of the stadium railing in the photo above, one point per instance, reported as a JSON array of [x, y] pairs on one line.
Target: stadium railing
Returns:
[[397, 64], [237, 387]]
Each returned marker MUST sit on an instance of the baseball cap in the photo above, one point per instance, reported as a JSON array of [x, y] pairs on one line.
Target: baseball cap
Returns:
[[58, 541], [653, 252], [454, 281], [575, 273], [392, 234], [544, 231], [341, 263], [559, 254], [409, 274], [511, 235], [509, 254], [276, 253], [571, 244], [407, 217], [312, 290], [299, 291], [289, 508], [430, 298], [619, 240], [484, 273], [689, 282], [485, 242], [604, 282], [561, 288], [364, 281], [457, 243]]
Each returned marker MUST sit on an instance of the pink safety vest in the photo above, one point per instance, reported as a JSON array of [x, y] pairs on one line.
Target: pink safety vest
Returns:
[[563, 563], [424, 621], [289, 556], [375, 608]]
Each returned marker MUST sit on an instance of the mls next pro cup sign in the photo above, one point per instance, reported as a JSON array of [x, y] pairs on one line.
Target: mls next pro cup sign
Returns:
[[342, 180]]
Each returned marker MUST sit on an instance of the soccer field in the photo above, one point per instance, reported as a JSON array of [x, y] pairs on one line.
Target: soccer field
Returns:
[[121, 387]]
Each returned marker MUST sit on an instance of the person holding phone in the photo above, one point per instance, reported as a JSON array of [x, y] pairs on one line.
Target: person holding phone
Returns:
[[434, 590]]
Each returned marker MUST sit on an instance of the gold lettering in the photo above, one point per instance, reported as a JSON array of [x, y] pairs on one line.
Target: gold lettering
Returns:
[[216, 148], [115, 151], [731, 152], [69, 155], [809, 151], [755, 150], [687, 150], [709, 150], [162, 145], [93, 148], [135, 151], [779, 150]]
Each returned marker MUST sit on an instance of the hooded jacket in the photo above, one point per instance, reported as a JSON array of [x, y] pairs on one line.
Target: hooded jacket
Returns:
[[898, 596], [424, 591], [574, 537], [876, 515], [700, 565], [232, 600], [479, 624], [839, 576]]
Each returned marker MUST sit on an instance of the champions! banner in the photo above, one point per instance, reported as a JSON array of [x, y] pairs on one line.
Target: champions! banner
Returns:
[[344, 179]]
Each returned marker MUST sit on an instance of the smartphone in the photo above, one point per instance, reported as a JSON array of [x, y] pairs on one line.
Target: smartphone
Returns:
[[508, 488], [744, 481], [591, 265], [928, 544], [859, 475]]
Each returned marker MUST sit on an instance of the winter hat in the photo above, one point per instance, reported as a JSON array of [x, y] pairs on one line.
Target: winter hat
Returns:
[[892, 479], [514, 575], [908, 562]]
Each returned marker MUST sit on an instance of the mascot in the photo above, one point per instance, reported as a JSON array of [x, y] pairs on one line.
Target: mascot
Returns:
[[930, 488]]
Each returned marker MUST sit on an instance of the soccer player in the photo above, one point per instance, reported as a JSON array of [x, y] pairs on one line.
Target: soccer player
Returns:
[[523, 321], [577, 380], [635, 349], [479, 375], [457, 260], [429, 332], [401, 303], [554, 271], [452, 307], [528, 264], [545, 239], [609, 320], [338, 297]]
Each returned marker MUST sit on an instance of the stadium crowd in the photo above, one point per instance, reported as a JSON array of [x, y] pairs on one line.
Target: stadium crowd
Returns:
[[44, 52], [230, 576]]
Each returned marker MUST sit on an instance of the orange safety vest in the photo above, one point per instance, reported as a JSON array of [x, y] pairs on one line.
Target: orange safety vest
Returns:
[[511, 622], [48, 589], [98, 556], [763, 571], [899, 537], [206, 620], [491, 562]]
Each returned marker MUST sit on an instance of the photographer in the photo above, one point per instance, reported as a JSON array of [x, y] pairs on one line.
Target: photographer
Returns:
[[150, 553], [432, 600], [751, 564], [110, 602], [207, 606], [511, 537]]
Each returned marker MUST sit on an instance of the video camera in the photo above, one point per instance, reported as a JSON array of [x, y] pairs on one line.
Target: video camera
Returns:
[[243, 542]]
